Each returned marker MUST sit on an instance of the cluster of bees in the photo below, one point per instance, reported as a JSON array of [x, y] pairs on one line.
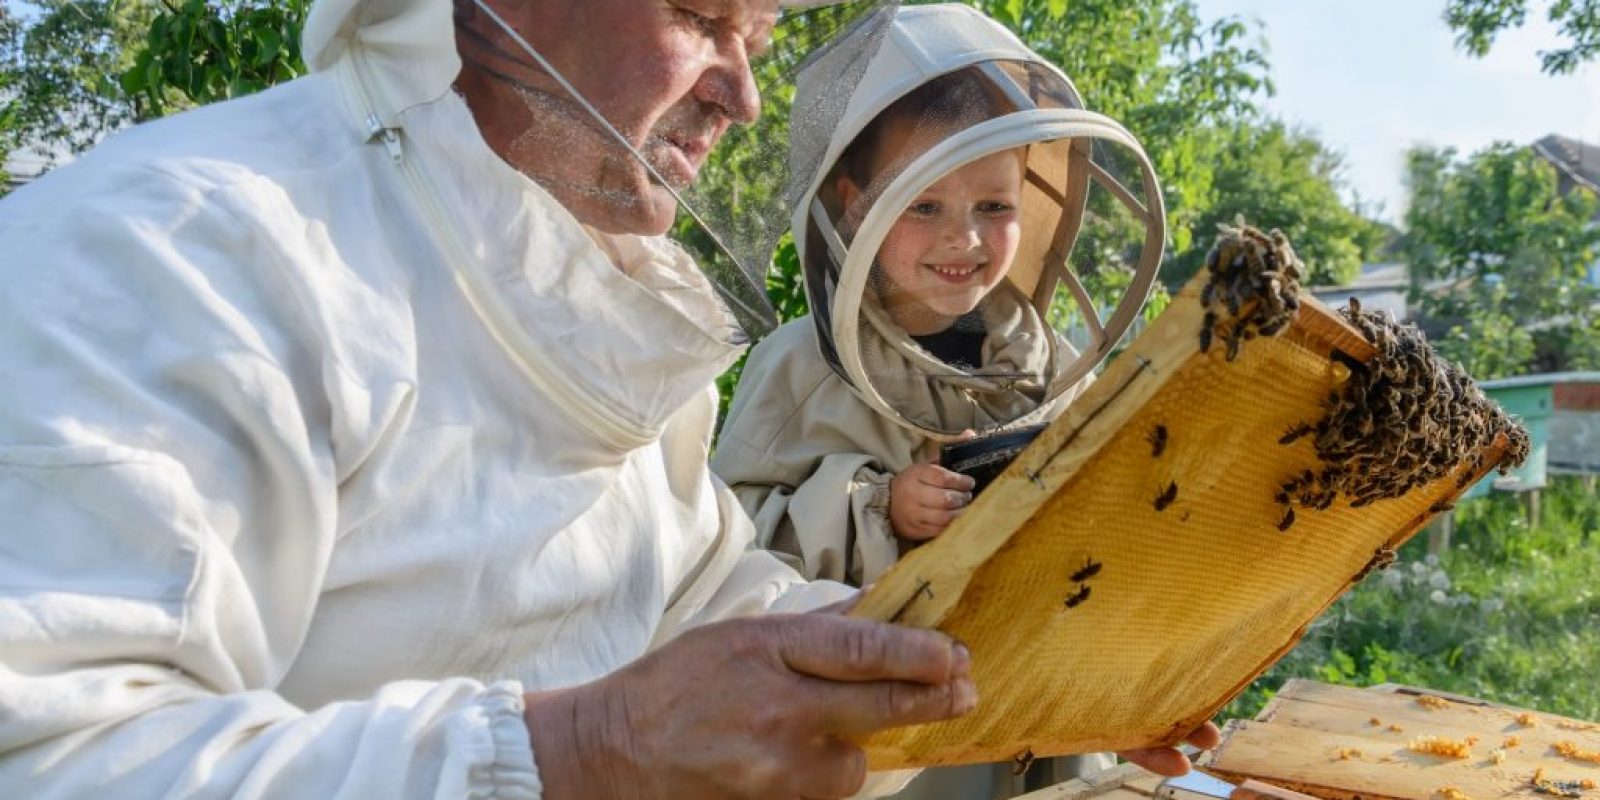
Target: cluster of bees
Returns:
[[1544, 785], [1404, 420], [1255, 277]]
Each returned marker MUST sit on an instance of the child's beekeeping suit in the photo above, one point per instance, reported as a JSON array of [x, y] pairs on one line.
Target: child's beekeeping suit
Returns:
[[830, 408]]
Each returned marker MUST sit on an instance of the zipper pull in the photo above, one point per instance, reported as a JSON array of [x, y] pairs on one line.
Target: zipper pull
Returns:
[[390, 137]]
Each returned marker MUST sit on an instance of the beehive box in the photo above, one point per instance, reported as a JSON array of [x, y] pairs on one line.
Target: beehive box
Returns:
[[1122, 782], [1342, 743], [1132, 570]]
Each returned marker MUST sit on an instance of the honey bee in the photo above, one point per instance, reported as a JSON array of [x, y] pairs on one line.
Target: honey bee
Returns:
[[1076, 598], [1157, 440], [1235, 336], [1382, 559], [1166, 497], [1207, 330], [1089, 569], [1022, 761], [1294, 433]]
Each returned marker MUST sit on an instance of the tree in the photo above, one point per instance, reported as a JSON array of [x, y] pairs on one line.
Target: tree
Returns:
[[1276, 177], [72, 71], [10, 31], [1154, 65], [1478, 22], [1499, 260], [58, 65], [200, 52]]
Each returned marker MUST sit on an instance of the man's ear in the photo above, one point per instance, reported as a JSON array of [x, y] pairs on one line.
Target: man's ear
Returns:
[[848, 191]]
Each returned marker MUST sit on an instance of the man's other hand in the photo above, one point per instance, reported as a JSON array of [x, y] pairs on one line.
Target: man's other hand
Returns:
[[751, 708]]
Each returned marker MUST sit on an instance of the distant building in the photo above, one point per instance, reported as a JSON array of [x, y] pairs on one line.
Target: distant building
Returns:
[[1385, 285], [1578, 164]]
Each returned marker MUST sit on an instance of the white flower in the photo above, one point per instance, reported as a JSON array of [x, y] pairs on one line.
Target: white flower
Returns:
[[1439, 598], [1439, 580]]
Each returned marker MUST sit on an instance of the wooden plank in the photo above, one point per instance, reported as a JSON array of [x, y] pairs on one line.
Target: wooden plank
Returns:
[[1325, 331], [1399, 688], [1309, 760], [1349, 711], [1569, 723], [1490, 731]]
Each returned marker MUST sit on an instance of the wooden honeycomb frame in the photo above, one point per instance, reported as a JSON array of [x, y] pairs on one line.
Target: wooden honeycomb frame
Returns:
[[1196, 594]]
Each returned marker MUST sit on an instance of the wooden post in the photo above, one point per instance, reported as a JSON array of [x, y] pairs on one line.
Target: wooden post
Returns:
[[1439, 534], [1533, 508]]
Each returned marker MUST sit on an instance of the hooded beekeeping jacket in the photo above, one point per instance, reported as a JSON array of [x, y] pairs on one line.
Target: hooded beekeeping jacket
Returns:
[[327, 434], [812, 462]]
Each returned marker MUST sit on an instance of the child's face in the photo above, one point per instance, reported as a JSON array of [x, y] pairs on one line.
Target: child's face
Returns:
[[952, 245]]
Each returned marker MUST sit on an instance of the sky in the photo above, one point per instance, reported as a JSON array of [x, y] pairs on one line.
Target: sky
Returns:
[[1371, 78]]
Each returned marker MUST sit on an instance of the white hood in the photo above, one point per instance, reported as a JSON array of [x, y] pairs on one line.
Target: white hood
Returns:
[[620, 330], [410, 46]]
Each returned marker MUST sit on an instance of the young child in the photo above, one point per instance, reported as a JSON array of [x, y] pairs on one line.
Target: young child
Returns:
[[831, 483], [831, 440]]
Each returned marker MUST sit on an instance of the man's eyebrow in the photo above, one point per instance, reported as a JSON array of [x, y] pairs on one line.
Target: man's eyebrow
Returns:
[[759, 40]]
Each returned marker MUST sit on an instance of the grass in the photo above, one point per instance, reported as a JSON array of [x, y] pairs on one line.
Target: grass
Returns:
[[1511, 613]]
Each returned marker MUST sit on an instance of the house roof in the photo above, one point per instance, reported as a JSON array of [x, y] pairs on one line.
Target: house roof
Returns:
[[1577, 160]]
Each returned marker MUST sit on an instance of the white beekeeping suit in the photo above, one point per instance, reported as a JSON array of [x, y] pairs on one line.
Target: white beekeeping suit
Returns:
[[329, 434], [916, 340]]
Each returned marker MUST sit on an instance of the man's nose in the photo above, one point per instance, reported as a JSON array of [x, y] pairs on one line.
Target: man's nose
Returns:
[[730, 85]]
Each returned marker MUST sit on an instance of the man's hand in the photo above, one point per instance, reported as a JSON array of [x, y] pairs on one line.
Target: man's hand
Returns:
[[925, 498], [749, 708], [1167, 760]]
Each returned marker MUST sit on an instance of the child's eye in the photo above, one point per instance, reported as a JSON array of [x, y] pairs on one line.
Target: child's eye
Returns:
[[926, 208], [996, 208]]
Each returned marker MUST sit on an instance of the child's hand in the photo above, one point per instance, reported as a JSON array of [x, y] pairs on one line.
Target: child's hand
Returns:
[[924, 498]]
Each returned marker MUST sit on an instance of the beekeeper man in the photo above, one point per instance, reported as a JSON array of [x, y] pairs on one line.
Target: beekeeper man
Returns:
[[355, 438]]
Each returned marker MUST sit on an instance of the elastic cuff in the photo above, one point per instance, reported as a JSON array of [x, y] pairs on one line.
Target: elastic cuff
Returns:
[[494, 740], [876, 546]]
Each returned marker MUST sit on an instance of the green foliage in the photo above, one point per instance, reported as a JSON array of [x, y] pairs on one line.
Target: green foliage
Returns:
[[1496, 346], [1275, 177], [1510, 614], [1499, 257], [1155, 66], [1478, 22], [10, 32], [58, 62], [206, 52]]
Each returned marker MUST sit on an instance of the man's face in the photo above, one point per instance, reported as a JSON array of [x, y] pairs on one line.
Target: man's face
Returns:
[[670, 75]]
